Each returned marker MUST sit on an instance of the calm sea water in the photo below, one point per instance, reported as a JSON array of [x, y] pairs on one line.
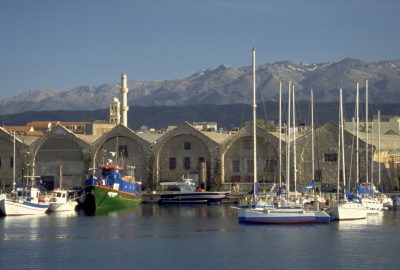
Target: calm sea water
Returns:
[[194, 237]]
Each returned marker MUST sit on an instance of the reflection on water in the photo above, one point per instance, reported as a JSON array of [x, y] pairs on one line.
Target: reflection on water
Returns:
[[110, 212], [155, 237], [372, 219]]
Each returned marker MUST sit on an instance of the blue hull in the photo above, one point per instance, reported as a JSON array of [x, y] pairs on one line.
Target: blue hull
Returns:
[[282, 216], [282, 220]]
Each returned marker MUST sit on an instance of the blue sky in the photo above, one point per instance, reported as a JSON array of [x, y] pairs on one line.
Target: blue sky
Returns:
[[46, 44]]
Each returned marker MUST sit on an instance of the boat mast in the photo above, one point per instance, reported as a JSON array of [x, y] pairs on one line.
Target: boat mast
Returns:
[[280, 134], [379, 147], [312, 137], [342, 136], [366, 131], [294, 144], [338, 150], [288, 144], [254, 125], [14, 183], [357, 136]]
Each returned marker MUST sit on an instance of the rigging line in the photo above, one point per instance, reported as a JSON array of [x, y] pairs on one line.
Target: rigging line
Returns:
[[352, 151], [262, 98], [316, 152]]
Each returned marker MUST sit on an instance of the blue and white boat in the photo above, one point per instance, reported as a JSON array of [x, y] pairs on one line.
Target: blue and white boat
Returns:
[[24, 201], [369, 198], [282, 216], [272, 214]]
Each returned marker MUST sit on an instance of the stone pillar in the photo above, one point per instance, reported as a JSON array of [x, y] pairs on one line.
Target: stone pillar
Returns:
[[203, 175], [222, 168]]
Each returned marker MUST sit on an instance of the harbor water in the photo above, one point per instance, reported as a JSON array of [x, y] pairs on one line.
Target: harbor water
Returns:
[[194, 237]]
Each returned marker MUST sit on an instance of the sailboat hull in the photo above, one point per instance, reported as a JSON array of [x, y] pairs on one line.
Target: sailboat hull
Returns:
[[282, 217], [349, 211]]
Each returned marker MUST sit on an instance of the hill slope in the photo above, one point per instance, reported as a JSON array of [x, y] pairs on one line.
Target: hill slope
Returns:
[[228, 85]]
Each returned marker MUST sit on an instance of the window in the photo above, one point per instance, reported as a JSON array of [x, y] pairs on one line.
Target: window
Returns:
[[186, 163], [123, 151], [201, 159], [0, 162], [250, 167], [172, 163], [187, 145], [11, 162], [235, 165], [330, 157]]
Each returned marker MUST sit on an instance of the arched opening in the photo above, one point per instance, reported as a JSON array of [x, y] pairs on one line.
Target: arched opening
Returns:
[[60, 156]]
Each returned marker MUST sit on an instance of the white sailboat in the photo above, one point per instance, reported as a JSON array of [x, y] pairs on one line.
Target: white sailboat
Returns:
[[367, 190], [312, 198], [274, 214], [386, 201], [345, 209], [23, 201]]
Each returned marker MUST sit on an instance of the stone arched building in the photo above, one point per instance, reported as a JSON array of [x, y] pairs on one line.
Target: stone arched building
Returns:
[[237, 156], [126, 148], [186, 151], [59, 152], [213, 159]]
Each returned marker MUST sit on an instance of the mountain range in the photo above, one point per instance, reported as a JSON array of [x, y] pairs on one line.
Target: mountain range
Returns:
[[225, 85]]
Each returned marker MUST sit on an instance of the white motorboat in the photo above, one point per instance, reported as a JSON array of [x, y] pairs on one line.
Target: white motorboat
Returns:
[[185, 192], [62, 200]]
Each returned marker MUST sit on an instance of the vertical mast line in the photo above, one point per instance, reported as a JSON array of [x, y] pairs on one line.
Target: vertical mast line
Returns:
[[366, 131], [342, 135], [379, 147], [280, 134], [254, 124], [312, 137], [294, 144], [357, 136], [288, 143]]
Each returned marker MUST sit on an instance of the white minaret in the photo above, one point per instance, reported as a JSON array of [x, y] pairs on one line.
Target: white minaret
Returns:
[[124, 94], [115, 111]]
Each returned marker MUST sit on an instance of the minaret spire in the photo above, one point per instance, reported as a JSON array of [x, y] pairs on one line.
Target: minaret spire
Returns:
[[124, 94]]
